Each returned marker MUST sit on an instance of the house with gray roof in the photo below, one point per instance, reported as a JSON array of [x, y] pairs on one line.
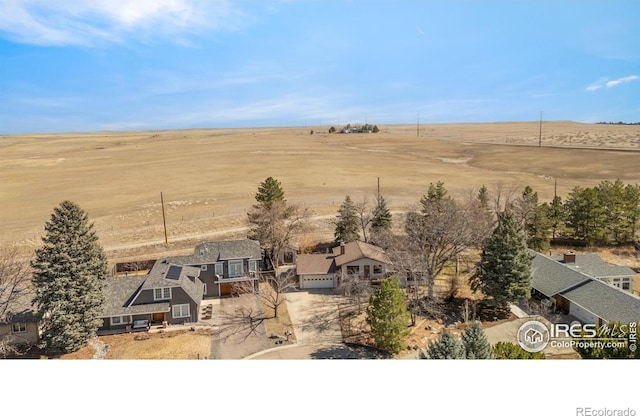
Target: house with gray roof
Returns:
[[19, 323], [592, 265], [225, 266], [317, 271], [168, 294], [572, 291]]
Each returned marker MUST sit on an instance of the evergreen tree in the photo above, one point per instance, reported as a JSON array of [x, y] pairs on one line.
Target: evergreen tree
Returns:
[[510, 351], [70, 270], [388, 317], [476, 344], [504, 270], [436, 195], [347, 223], [274, 222], [585, 215], [533, 219], [446, 347], [557, 216], [381, 221], [632, 209], [269, 191]]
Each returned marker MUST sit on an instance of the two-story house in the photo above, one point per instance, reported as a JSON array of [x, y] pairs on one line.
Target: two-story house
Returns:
[[225, 263], [168, 294]]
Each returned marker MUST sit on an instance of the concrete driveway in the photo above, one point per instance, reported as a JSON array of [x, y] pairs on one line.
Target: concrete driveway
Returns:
[[314, 315], [234, 338]]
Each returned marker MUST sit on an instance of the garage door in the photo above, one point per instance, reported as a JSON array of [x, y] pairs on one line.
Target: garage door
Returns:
[[317, 282], [582, 314]]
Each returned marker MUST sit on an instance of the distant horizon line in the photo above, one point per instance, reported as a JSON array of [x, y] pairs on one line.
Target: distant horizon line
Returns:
[[131, 130]]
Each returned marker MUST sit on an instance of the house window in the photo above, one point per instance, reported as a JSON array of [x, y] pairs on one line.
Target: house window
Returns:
[[253, 266], [235, 268], [353, 270], [119, 320], [162, 293], [219, 269], [203, 267], [377, 269], [19, 327], [181, 311], [625, 284]]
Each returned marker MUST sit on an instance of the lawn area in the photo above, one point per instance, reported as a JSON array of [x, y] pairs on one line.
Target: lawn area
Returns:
[[175, 345]]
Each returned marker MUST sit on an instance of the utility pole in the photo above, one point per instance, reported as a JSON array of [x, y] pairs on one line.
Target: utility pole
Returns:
[[164, 220], [378, 188], [540, 136]]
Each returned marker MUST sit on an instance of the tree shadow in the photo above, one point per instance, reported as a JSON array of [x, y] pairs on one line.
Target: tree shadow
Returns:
[[349, 352]]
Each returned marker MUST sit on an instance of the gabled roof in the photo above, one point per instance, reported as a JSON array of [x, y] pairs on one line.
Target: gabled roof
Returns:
[[186, 277], [121, 292], [20, 310], [550, 277], [594, 266], [328, 263], [315, 264], [357, 250], [213, 251], [605, 301]]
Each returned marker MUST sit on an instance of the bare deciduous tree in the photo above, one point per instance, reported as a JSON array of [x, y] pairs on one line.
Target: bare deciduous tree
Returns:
[[15, 288], [355, 288], [364, 215]]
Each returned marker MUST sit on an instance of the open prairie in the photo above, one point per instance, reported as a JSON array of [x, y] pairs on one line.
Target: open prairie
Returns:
[[208, 177]]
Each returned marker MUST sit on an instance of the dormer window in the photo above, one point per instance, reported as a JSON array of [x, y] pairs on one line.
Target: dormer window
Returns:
[[162, 293], [202, 251]]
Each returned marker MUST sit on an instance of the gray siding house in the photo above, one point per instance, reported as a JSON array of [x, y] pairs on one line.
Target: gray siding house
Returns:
[[19, 324], [168, 294], [572, 291], [225, 265]]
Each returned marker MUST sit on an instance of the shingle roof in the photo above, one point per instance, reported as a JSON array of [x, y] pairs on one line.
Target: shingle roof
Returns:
[[605, 301], [356, 250], [121, 291], [315, 264], [20, 310], [550, 277], [213, 251], [187, 279], [594, 266]]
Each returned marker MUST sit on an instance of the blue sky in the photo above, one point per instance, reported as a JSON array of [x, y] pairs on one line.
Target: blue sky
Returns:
[[160, 64]]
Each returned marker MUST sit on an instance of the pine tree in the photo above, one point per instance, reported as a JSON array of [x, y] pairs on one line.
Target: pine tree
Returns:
[[475, 342], [70, 270], [270, 191], [504, 270], [388, 317], [347, 222], [446, 347], [273, 222], [557, 216], [509, 351], [381, 217]]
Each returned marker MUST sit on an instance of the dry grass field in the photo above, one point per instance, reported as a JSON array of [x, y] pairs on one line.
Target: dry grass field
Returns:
[[208, 177]]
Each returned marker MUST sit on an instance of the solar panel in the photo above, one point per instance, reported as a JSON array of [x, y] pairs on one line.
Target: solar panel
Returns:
[[174, 272]]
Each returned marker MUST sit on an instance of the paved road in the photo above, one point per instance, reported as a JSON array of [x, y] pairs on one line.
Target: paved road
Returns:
[[319, 352]]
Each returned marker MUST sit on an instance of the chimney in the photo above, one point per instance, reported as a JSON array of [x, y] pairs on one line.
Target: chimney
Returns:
[[569, 257], [341, 247]]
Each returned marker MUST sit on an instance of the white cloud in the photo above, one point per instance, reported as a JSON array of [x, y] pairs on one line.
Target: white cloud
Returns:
[[603, 82], [69, 22], [622, 80]]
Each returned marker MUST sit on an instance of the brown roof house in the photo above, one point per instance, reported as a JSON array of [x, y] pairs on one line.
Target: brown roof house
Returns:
[[168, 294], [320, 271]]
